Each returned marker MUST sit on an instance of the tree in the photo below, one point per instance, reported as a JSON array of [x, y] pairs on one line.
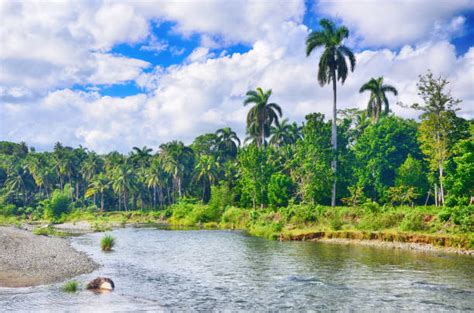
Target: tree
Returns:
[[310, 163], [380, 151], [284, 134], [412, 175], [98, 185], [262, 115], [228, 143], [332, 68], [280, 188], [378, 96], [460, 180], [177, 160], [123, 181], [206, 170], [438, 125]]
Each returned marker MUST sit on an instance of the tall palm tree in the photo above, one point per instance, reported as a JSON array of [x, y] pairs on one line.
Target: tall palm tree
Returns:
[[228, 142], [99, 184], [262, 115], [206, 171], [332, 68], [176, 158], [155, 177], [377, 96], [140, 156], [123, 182]]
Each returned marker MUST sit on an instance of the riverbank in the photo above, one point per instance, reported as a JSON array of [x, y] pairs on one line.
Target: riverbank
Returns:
[[30, 260]]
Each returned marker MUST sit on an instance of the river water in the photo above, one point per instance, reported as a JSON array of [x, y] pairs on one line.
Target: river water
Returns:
[[161, 270]]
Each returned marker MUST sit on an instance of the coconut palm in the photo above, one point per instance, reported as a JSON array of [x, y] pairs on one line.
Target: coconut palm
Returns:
[[123, 182], [377, 96], [333, 67], [228, 142], [99, 184], [206, 170], [284, 134], [177, 159], [262, 115]]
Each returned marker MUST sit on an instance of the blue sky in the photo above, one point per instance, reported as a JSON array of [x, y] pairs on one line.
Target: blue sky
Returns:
[[110, 75]]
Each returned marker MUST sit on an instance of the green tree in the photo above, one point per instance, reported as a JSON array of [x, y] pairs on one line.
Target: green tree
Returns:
[[380, 151], [99, 184], [262, 115], [412, 175], [332, 68], [228, 143], [177, 160], [438, 126], [378, 97], [206, 171], [280, 188]]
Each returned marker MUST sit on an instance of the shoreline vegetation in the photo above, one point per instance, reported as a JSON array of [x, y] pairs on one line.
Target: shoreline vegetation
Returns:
[[416, 228]]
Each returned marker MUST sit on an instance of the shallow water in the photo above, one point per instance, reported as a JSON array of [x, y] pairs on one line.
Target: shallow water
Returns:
[[160, 270]]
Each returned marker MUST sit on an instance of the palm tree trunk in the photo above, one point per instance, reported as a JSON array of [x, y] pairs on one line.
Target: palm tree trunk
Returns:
[[334, 139]]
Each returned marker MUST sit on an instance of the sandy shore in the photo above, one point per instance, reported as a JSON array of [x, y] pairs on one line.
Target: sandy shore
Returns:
[[30, 260]]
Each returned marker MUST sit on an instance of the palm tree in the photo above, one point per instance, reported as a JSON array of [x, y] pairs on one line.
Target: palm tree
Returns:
[[206, 171], [123, 181], [140, 156], [377, 96], [98, 184], [262, 115], [176, 158], [228, 142], [284, 134], [332, 67]]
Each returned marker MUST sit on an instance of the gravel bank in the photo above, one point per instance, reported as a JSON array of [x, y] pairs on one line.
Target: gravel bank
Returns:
[[30, 260], [395, 245]]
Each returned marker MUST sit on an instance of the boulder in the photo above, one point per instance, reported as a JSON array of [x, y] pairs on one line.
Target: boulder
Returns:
[[101, 283]]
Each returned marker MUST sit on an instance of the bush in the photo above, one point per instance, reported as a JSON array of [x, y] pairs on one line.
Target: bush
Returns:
[[8, 210], [221, 197], [58, 204], [371, 206], [413, 222], [299, 214], [235, 217], [71, 286], [380, 221], [107, 243]]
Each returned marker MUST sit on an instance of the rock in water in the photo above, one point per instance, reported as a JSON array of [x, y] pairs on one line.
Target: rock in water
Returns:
[[101, 283]]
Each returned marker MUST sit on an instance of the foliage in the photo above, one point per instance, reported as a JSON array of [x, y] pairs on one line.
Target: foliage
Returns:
[[58, 204], [71, 286], [107, 242], [377, 97], [279, 190]]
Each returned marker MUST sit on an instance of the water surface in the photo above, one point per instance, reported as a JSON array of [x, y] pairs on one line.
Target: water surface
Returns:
[[160, 270]]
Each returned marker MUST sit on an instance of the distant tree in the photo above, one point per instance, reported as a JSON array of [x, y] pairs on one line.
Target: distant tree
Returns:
[[228, 143], [261, 116], [378, 97]]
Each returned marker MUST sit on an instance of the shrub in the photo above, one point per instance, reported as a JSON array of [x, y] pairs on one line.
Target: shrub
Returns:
[[299, 214], [221, 197], [8, 210], [58, 204], [413, 222], [107, 243], [71, 286], [371, 206], [380, 221], [235, 217]]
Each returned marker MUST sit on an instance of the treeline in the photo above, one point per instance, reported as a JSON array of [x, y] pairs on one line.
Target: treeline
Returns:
[[388, 159]]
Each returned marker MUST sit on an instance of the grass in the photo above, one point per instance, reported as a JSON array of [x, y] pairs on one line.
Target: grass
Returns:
[[50, 231], [107, 243], [71, 286]]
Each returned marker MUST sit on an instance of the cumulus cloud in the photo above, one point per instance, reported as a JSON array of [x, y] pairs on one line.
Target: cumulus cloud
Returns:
[[399, 22], [200, 95]]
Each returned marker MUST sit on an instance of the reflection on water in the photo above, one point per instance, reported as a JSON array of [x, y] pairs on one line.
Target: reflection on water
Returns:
[[163, 270]]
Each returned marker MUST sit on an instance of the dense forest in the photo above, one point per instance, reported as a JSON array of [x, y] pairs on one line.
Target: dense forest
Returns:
[[356, 157]]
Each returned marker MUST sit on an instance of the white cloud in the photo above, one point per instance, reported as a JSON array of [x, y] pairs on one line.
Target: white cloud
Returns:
[[49, 50], [398, 22]]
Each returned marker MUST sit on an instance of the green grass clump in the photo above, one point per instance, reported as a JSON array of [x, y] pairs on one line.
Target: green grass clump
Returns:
[[71, 286], [107, 243], [50, 231]]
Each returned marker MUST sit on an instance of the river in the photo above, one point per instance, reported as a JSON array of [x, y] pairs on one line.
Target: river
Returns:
[[162, 270]]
